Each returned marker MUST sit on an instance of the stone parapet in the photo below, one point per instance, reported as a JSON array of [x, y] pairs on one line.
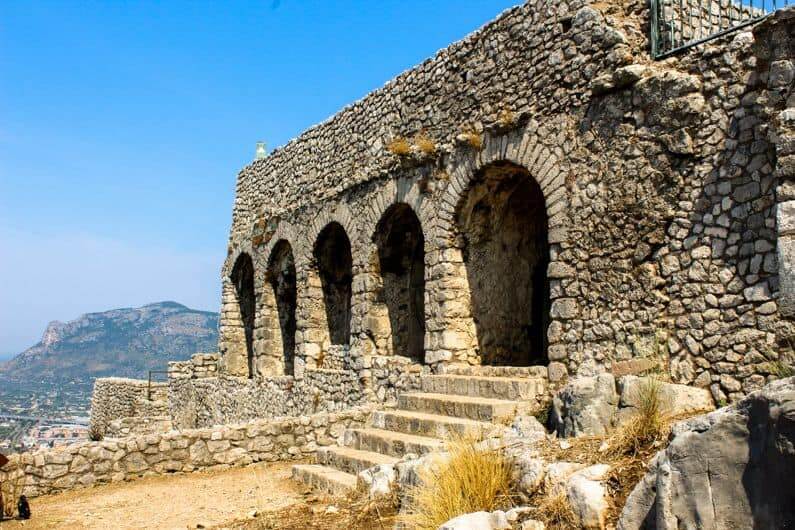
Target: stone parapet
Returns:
[[113, 460]]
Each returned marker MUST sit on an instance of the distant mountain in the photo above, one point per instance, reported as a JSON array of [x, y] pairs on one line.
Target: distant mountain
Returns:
[[120, 342]]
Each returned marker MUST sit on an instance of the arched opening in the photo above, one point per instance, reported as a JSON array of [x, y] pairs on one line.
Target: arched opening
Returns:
[[503, 222], [334, 263], [281, 276], [401, 260], [243, 279]]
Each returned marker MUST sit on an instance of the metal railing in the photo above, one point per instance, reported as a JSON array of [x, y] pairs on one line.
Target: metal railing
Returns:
[[680, 24], [149, 384]]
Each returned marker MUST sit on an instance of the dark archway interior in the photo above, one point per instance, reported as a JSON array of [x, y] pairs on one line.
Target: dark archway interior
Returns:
[[334, 263], [243, 279], [503, 221], [281, 276], [401, 259]]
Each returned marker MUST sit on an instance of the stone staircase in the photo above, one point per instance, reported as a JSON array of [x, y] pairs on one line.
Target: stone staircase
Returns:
[[447, 404]]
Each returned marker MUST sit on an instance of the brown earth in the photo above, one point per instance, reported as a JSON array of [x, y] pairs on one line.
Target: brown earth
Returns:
[[177, 501]]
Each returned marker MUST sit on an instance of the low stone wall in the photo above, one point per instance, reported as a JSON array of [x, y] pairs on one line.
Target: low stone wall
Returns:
[[134, 425], [200, 365], [116, 397], [112, 460], [225, 399], [391, 375]]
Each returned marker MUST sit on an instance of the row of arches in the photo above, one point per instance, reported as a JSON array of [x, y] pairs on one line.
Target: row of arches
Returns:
[[502, 232]]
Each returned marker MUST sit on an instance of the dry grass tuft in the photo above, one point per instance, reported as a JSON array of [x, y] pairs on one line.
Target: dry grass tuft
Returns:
[[473, 139], [506, 118], [473, 479], [399, 146], [781, 369], [425, 143], [557, 512], [648, 426]]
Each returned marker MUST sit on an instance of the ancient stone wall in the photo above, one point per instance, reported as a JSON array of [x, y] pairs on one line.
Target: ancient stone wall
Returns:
[[657, 184], [115, 398], [112, 460], [220, 400], [199, 366]]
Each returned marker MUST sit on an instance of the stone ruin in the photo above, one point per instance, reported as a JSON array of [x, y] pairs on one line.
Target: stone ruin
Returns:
[[537, 203], [538, 194]]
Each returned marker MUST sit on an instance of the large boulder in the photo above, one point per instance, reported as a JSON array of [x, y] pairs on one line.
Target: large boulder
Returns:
[[587, 496], [732, 468], [585, 406], [591, 406], [676, 400]]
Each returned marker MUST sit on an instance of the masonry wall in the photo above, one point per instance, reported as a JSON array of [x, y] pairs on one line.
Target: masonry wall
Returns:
[[113, 460], [115, 398], [659, 182], [227, 399]]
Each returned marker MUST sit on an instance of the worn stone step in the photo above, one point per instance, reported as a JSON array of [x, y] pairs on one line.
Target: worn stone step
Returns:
[[509, 388], [390, 443], [474, 408], [324, 478], [351, 460], [424, 424]]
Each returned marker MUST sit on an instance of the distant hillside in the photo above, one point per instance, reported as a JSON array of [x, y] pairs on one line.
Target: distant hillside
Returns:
[[120, 342]]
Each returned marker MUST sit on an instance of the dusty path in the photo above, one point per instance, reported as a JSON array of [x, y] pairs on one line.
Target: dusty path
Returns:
[[176, 501]]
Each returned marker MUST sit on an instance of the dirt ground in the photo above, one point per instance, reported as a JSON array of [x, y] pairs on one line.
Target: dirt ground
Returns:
[[177, 501]]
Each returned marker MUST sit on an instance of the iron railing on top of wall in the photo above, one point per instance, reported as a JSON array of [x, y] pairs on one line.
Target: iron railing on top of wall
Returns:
[[680, 24]]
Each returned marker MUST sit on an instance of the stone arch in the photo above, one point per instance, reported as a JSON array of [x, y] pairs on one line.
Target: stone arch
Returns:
[[400, 262], [240, 318], [502, 223], [333, 266], [456, 332], [372, 331], [279, 301]]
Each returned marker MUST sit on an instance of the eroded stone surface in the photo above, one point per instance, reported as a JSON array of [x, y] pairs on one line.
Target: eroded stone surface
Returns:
[[732, 468]]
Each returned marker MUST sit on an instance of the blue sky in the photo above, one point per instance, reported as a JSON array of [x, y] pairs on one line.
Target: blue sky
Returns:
[[123, 125]]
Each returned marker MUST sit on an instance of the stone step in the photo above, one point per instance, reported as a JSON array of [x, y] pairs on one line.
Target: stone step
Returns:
[[510, 388], [496, 371], [390, 443], [474, 408], [325, 479], [424, 424], [351, 460]]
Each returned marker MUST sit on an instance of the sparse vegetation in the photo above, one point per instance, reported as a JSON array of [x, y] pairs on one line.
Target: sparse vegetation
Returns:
[[473, 479], [646, 427], [506, 118], [472, 138], [542, 414], [94, 434], [557, 511], [781, 370], [399, 146], [425, 144]]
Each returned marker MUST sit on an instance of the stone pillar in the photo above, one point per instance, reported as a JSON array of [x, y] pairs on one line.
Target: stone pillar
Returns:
[[232, 339]]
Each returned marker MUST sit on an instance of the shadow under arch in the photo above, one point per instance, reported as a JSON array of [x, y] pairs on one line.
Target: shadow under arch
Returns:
[[242, 277], [503, 227], [282, 278], [401, 261], [332, 254]]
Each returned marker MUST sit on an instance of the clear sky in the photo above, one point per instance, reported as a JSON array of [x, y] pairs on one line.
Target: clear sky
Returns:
[[124, 123]]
